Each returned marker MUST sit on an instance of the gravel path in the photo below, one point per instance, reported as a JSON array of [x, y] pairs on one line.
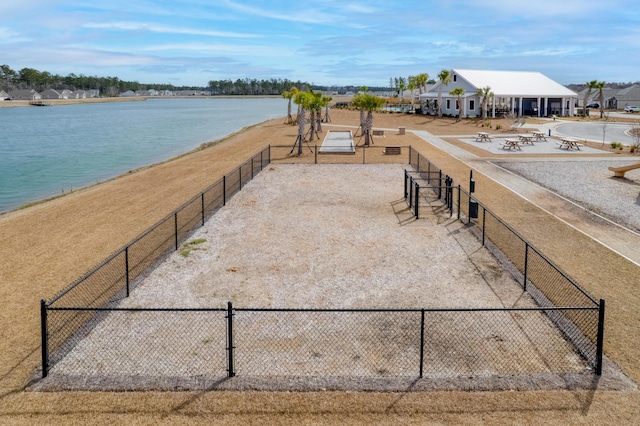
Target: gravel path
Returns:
[[588, 183]]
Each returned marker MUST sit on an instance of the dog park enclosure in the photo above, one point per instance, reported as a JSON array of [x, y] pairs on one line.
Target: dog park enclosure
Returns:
[[342, 283]]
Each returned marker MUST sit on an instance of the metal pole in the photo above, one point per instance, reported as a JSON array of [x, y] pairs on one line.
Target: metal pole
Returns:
[[45, 338], [224, 190], [440, 185], [202, 197], [315, 154], [406, 177], [363, 155], [484, 223], [421, 342], [240, 174], [175, 228], [600, 344], [459, 201], [417, 200], [526, 264], [251, 168], [126, 267], [230, 371], [411, 192]]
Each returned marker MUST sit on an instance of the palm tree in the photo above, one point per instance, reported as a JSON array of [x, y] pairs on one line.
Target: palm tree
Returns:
[[314, 104], [484, 94], [421, 80], [600, 85], [590, 85], [326, 100], [412, 85], [458, 92], [367, 102], [301, 99], [356, 104], [402, 84], [290, 94], [444, 77]]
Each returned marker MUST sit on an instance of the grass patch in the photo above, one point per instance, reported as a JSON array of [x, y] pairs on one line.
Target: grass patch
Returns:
[[188, 247]]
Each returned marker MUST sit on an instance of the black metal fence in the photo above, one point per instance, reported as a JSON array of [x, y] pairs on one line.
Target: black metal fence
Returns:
[[372, 154], [86, 334], [546, 283], [112, 280], [153, 345]]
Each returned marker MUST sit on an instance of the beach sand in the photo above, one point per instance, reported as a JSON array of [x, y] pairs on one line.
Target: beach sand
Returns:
[[46, 246]]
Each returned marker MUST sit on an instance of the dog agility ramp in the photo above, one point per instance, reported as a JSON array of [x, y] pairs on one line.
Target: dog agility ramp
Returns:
[[338, 142]]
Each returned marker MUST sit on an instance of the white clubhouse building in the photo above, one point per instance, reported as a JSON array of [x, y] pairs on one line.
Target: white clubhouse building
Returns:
[[516, 92]]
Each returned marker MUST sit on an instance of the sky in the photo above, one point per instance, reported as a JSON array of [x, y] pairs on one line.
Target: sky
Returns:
[[325, 42]]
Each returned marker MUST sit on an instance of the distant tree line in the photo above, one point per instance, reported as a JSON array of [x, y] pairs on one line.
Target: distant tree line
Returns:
[[254, 87], [30, 78]]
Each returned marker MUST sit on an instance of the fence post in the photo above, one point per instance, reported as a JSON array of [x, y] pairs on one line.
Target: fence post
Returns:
[[364, 149], [240, 174], [459, 201], [526, 264], [126, 266], [421, 342], [202, 198], [251, 168], [45, 338], [406, 178], [175, 227], [315, 154], [600, 344], [224, 190], [410, 152], [440, 185], [416, 212], [484, 223], [411, 192], [269, 154], [230, 370]]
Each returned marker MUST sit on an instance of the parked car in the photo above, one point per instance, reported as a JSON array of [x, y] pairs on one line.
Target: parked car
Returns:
[[593, 105], [631, 108]]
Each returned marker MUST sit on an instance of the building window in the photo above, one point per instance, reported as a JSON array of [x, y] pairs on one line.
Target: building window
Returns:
[[472, 104], [448, 103], [455, 78]]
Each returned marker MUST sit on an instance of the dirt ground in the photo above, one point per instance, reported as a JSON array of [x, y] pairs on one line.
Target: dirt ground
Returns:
[[46, 246]]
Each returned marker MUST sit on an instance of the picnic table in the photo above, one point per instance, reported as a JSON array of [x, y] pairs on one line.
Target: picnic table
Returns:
[[569, 143], [526, 138], [539, 136], [483, 137], [511, 144]]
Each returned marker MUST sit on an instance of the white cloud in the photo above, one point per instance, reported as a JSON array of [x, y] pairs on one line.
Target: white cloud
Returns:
[[165, 29]]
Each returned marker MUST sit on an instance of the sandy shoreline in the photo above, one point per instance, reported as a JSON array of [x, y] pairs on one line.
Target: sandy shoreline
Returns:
[[59, 102], [47, 246]]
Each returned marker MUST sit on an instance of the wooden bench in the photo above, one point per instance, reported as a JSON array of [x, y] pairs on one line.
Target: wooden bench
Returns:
[[620, 171], [392, 150], [378, 133]]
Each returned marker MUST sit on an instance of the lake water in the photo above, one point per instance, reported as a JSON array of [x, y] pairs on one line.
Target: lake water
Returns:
[[45, 151]]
